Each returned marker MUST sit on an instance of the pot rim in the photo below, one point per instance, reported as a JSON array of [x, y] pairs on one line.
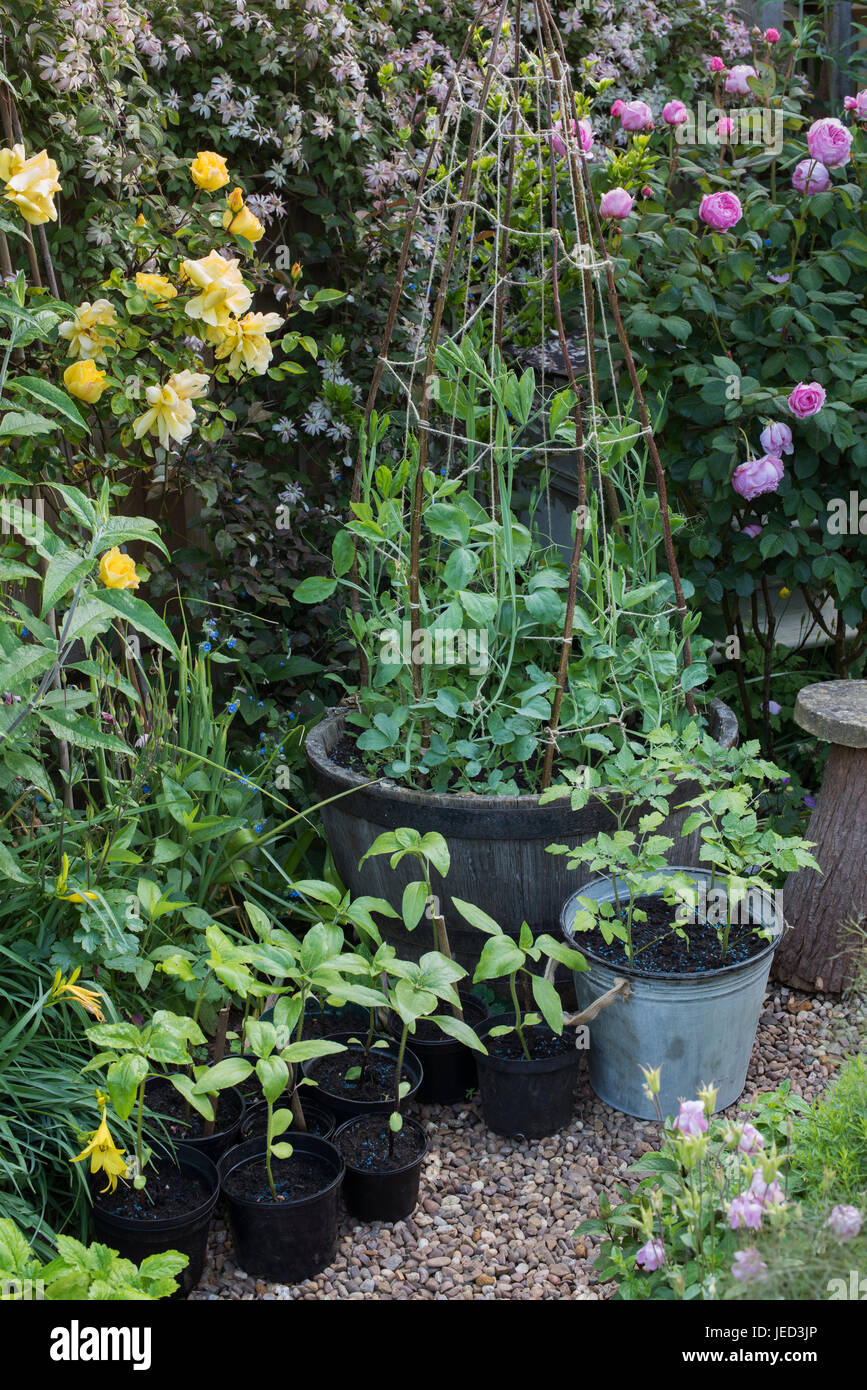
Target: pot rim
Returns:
[[445, 1040], [409, 1057], [290, 1204], [537, 1064], [196, 1139], [383, 1172], [634, 973], [189, 1158]]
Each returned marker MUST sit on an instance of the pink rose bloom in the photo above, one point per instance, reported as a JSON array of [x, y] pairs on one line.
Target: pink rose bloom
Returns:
[[691, 1119], [651, 1255], [756, 476], [675, 113], [753, 531], [772, 36], [745, 1210], [844, 1223], [725, 128], [811, 177], [581, 129], [748, 1266], [721, 210], [737, 79], [617, 106], [751, 1140], [585, 134], [807, 399], [636, 115], [858, 104], [616, 203], [716, 65], [829, 141], [776, 439]]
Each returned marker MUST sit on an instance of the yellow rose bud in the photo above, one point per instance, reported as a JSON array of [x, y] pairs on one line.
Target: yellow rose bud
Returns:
[[785, 593], [117, 571], [155, 286], [85, 380], [208, 171], [140, 220], [296, 271], [245, 224], [235, 200]]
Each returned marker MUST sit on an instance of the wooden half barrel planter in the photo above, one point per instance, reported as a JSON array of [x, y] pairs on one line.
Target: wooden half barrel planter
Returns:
[[497, 844]]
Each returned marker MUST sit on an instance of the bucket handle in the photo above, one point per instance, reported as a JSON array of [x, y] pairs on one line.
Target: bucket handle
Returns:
[[621, 989]]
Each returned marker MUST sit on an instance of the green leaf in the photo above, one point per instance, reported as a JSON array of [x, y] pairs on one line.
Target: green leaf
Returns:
[[413, 904], [461, 1031], [25, 664], [81, 731], [549, 1003], [316, 589], [49, 395], [501, 956], [24, 424], [140, 614], [64, 571], [477, 918], [124, 1078], [342, 553], [231, 1071], [273, 1074]]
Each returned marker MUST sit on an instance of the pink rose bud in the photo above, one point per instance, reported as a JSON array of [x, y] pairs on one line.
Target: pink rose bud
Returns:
[[844, 1223], [716, 65], [725, 128], [776, 439], [651, 1255], [585, 134], [636, 115], [617, 106], [772, 36], [616, 203], [738, 78], [675, 113], [811, 177], [829, 141], [647, 191], [858, 104], [807, 399], [753, 531], [721, 211], [756, 476], [691, 1119]]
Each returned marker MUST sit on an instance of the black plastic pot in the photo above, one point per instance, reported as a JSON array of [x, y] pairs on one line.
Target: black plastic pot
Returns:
[[344, 1108], [449, 1066], [531, 1099], [382, 1196], [285, 1241], [230, 1114], [136, 1238], [319, 1120]]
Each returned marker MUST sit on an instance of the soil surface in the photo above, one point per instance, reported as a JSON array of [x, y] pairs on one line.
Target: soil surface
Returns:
[[377, 1082], [162, 1098], [302, 1175], [425, 1031], [657, 948], [168, 1193], [317, 1121], [366, 1145], [541, 1042]]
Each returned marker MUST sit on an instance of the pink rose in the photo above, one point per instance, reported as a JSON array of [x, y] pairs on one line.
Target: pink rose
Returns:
[[756, 476], [725, 128], [777, 440], [738, 78], [807, 399], [858, 104], [617, 106], [647, 191], [716, 65], [651, 1255], [829, 140], [721, 210], [636, 115], [585, 134], [753, 531], [675, 113], [616, 203], [811, 177], [581, 129], [772, 36]]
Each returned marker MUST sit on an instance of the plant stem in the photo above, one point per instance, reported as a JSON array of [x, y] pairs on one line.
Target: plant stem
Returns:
[[517, 1007]]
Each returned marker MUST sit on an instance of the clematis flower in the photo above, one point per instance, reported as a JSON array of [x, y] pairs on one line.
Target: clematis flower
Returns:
[[223, 292], [756, 476], [155, 286], [616, 203], [85, 381], [104, 1154], [208, 171], [776, 439], [721, 211], [651, 1256], [245, 342], [30, 184], [753, 531], [773, 708], [810, 176], [170, 414], [829, 141], [86, 333], [807, 399], [691, 1118], [844, 1223], [738, 77]]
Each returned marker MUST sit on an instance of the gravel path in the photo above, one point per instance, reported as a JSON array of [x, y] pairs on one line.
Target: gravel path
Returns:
[[496, 1216]]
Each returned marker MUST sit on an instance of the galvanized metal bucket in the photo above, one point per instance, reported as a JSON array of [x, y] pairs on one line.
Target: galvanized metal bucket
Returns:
[[699, 1028]]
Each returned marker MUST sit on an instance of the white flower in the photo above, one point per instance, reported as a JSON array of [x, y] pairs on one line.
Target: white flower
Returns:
[[323, 126], [286, 430]]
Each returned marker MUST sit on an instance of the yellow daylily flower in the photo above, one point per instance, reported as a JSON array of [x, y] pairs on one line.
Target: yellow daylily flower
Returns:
[[30, 184], [244, 223], [208, 171], [222, 290], [117, 571], [155, 286], [87, 998], [170, 414], [85, 380], [86, 333], [104, 1154]]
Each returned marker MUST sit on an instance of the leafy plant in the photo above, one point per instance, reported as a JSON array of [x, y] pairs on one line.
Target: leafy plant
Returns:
[[93, 1273]]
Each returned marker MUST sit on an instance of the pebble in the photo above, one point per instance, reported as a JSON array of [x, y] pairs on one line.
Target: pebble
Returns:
[[497, 1216]]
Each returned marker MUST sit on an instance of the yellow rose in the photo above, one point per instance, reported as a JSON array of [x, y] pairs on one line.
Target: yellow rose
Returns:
[[245, 343], [208, 170], [86, 332], [155, 286], [223, 292], [85, 380], [170, 414], [245, 223], [118, 571], [30, 184]]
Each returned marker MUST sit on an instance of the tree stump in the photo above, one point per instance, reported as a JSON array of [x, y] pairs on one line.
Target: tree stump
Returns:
[[819, 951]]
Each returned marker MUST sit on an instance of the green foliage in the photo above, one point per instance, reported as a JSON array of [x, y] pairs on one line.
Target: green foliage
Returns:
[[829, 1145], [93, 1273]]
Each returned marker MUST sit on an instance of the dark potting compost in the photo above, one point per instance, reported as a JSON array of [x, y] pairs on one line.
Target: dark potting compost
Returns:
[[163, 1099], [375, 1084], [540, 1041], [365, 1144], [168, 1193], [303, 1175], [657, 948]]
